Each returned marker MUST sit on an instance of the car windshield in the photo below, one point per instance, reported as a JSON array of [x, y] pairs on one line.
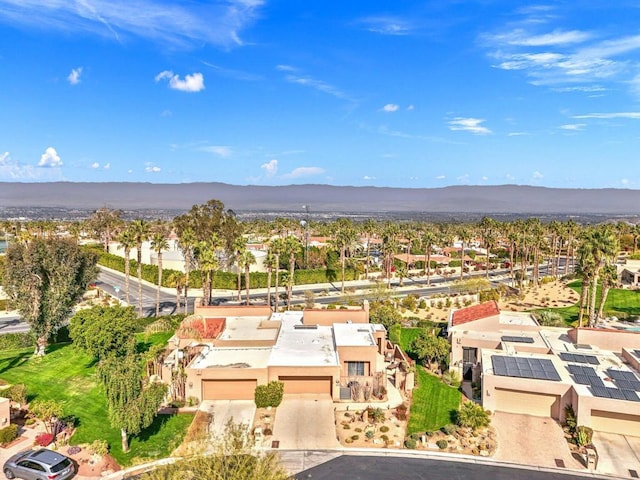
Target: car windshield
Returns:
[[61, 466]]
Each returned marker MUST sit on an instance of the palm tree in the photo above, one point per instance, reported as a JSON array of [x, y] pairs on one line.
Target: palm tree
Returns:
[[277, 246], [603, 245], [608, 280], [207, 255], [464, 235], [177, 280], [158, 244], [488, 228], [585, 268], [246, 260], [369, 227], [187, 243], [428, 240], [291, 246], [345, 237], [239, 247], [389, 248], [140, 232], [127, 241], [270, 264]]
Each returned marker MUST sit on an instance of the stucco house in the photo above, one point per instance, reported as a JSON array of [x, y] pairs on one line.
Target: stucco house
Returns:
[[229, 350], [522, 367]]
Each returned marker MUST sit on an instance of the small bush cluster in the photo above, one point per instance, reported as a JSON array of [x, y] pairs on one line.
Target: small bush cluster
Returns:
[[442, 444], [410, 443], [99, 447], [269, 395], [8, 434], [44, 439]]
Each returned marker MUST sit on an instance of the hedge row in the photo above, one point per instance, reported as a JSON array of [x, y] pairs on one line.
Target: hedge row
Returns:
[[225, 280]]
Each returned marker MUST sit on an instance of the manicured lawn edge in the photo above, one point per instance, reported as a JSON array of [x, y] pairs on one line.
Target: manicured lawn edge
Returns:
[[433, 405]]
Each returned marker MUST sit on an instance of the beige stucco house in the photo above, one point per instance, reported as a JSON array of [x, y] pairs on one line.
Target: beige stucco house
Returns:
[[522, 367], [231, 350]]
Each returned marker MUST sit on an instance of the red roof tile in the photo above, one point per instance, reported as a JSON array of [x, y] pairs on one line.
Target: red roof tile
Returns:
[[476, 312]]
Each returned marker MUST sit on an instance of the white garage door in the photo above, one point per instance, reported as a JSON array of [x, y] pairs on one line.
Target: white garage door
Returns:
[[527, 403]]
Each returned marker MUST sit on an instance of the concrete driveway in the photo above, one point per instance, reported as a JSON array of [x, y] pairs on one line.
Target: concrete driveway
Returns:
[[617, 454], [239, 411], [305, 421], [530, 440]]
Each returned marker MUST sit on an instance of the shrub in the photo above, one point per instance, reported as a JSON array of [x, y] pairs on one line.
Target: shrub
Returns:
[[450, 429], [369, 434], [355, 437], [346, 426], [192, 401], [16, 393], [267, 432], [177, 403], [584, 435], [410, 443], [384, 438], [358, 430], [44, 439], [12, 341], [452, 378], [30, 421], [348, 440], [8, 434], [384, 429], [442, 444], [99, 447], [269, 395], [472, 415]]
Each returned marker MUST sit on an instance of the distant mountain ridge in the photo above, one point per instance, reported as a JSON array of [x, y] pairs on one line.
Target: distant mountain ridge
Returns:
[[516, 199]]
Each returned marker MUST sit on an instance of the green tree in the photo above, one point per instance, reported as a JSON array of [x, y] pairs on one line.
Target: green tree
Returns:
[[132, 403], [232, 459], [430, 349], [187, 244], [101, 331], [47, 411], [246, 260], [344, 240], [384, 313], [44, 279], [104, 222], [471, 415]]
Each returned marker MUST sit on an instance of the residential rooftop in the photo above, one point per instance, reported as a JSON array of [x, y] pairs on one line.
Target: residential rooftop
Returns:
[[247, 329], [232, 358]]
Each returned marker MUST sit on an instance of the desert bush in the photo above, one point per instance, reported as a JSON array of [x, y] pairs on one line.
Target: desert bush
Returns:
[[8, 434], [384, 429], [442, 444], [269, 395], [99, 447], [410, 443]]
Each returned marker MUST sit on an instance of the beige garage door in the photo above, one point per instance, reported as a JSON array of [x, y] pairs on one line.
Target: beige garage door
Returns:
[[307, 384], [228, 389], [528, 403], [613, 422]]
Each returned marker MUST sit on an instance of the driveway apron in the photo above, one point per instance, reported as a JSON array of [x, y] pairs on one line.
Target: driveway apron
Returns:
[[305, 421]]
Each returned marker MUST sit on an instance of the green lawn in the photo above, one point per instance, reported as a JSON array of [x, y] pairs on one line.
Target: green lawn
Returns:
[[406, 337], [68, 375], [434, 403], [619, 303]]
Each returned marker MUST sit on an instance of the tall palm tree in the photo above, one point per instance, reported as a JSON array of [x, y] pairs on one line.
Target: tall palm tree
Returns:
[[246, 260], [608, 280], [270, 264], [177, 280], [369, 227], [428, 240], [345, 237], [239, 247], [464, 235], [603, 244], [127, 241], [278, 248], [585, 268], [291, 246], [140, 232], [488, 227], [389, 248], [159, 243], [187, 242], [207, 256]]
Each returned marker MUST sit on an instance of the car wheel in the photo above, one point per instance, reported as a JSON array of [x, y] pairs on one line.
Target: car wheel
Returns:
[[9, 474]]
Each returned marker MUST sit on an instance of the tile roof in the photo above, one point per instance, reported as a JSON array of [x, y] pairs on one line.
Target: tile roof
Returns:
[[476, 312]]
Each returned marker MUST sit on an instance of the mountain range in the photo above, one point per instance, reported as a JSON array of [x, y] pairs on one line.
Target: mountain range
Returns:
[[507, 199]]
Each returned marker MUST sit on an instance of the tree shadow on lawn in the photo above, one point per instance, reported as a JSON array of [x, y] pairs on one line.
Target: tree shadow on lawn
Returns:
[[16, 361], [154, 428]]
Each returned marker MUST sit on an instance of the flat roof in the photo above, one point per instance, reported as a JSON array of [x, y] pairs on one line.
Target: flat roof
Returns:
[[353, 335], [247, 328], [303, 345], [233, 358], [517, 318]]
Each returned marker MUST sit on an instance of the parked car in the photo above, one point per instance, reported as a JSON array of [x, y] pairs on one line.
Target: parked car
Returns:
[[40, 464]]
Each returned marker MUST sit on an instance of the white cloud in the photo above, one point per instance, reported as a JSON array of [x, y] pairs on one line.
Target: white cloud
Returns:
[[558, 37], [151, 168], [5, 158], [129, 171], [516, 134], [509, 177], [220, 150], [74, 76], [387, 25], [178, 24], [368, 177], [11, 170], [191, 83], [574, 127], [441, 177], [633, 115], [50, 158], [472, 125], [293, 77], [624, 181], [463, 178], [410, 107], [484, 178], [286, 68], [390, 107], [270, 168], [106, 166], [537, 175], [304, 172], [95, 165]]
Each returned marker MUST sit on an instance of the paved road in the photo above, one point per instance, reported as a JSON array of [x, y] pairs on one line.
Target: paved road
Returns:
[[12, 324], [355, 467]]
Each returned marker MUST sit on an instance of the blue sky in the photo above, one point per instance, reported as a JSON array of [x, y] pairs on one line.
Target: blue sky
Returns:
[[383, 93]]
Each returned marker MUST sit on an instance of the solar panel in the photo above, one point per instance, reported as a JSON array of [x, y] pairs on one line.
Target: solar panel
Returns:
[[620, 383], [592, 360], [590, 371], [522, 367], [579, 358], [507, 338], [616, 374], [601, 392], [637, 353], [635, 385], [615, 393], [567, 357], [575, 370], [595, 381], [581, 379], [630, 395]]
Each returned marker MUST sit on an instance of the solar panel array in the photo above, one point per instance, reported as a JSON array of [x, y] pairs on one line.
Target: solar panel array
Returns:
[[624, 380], [507, 338], [580, 370], [616, 393], [524, 367], [579, 358], [637, 353]]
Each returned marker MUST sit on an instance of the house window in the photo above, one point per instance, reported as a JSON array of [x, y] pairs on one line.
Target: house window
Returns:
[[355, 368], [469, 355]]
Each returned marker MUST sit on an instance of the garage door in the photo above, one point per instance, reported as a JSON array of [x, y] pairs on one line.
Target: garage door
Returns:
[[613, 422], [527, 403], [307, 384], [228, 389]]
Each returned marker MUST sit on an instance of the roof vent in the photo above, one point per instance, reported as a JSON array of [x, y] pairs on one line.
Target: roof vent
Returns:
[[305, 327]]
